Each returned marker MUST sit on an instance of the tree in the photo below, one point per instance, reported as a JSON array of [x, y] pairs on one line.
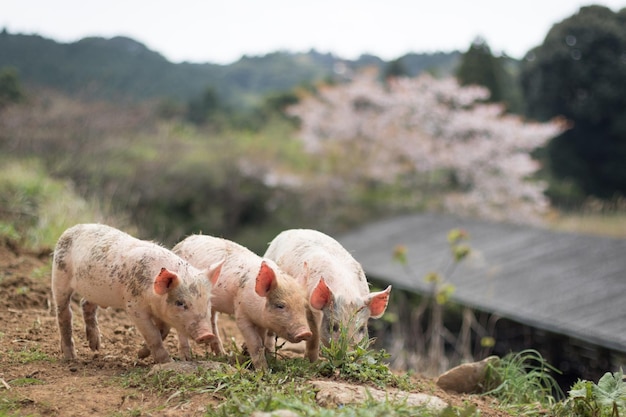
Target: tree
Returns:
[[396, 68], [425, 127], [579, 72], [205, 108], [479, 66], [10, 89]]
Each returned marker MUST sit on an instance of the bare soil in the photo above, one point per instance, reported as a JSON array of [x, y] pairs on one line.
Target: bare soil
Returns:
[[90, 385]]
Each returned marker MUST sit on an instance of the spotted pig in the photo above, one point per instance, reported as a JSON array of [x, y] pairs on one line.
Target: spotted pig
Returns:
[[158, 289]]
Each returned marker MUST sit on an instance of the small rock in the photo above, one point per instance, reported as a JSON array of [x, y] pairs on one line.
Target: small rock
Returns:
[[185, 367], [277, 413], [338, 393], [466, 378]]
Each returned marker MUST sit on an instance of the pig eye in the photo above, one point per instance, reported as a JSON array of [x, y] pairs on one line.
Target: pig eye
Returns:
[[279, 306], [180, 303], [335, 328]]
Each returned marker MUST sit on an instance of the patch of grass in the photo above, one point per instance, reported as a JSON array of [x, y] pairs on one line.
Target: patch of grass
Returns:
[[8, 406], [239, 391], [28, 355], [359, 363], [523, 383], [42, 272], [23, 382], [37, 208]]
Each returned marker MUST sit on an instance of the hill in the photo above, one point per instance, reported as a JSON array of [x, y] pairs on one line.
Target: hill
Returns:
[[122, 68]]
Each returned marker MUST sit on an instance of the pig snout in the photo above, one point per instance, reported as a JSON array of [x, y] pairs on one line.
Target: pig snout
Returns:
[[301, 335], [205, 337]]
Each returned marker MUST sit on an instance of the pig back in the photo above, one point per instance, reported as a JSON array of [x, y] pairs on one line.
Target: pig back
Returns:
[[240, 266], [109, 267], [309, 255]]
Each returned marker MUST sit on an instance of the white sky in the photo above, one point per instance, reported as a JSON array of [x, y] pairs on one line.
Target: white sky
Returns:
[[223, 31]]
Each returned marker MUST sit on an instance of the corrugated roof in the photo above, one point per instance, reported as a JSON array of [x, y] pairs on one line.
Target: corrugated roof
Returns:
[[566, 283]]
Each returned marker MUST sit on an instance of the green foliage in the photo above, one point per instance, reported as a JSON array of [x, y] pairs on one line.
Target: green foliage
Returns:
[[479, 66], [36, 209], [578, 73], [607, 398], [28, 355], [395, 68], [10, 89], [124, 68], [523, 383], [206, 108], [240, 392], [358, 363]]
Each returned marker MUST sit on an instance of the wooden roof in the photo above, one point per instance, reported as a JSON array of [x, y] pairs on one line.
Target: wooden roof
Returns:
[[565, 283]]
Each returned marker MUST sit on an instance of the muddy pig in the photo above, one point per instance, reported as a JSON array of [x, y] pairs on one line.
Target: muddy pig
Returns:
[[260, 295], [312, 257], [158, 289]]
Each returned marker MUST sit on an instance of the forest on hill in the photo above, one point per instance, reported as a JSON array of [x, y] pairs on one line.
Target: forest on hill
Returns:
[[121, 68]]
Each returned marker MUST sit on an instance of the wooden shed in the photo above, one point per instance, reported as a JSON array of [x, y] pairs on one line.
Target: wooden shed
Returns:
[[566, 284]]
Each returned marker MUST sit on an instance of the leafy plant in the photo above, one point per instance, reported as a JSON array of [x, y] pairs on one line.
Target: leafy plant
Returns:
[[607, 398], [358, 363], [432, 307]]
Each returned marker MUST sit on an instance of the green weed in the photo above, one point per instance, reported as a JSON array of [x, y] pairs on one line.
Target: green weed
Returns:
[[358, 363], [22, 382], [523, 383], [607, 398], [28, 355]]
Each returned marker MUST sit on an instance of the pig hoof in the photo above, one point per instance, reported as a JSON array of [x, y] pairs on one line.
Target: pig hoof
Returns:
[[94, 344], [206, 338], [143, 353]]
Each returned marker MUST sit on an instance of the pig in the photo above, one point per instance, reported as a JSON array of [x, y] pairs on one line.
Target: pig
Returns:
[[260, 296], [313, 257], [158, 289]]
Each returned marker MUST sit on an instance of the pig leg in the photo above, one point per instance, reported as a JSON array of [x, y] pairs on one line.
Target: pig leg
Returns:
[[151, 334], [90, 311], [216, 345], [253, 337], [183, 347], [164, 329], [270, 342], [62, 297], [313, 344]]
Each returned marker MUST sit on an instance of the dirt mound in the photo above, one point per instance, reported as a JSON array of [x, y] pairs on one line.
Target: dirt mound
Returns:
[[24, 279]]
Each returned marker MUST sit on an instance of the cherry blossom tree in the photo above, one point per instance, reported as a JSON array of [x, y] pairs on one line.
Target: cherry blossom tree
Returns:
[[424, 126]]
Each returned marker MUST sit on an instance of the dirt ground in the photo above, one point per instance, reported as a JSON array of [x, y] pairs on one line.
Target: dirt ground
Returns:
[[88, 386]]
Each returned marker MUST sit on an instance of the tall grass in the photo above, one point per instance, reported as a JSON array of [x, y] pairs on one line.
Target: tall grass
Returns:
[[36, 208], [523, 383]]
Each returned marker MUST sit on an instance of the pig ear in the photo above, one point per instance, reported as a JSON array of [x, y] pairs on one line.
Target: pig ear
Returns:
[[377, 302], [321, 295], [214, 271], [165, 282], [265, 280]]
